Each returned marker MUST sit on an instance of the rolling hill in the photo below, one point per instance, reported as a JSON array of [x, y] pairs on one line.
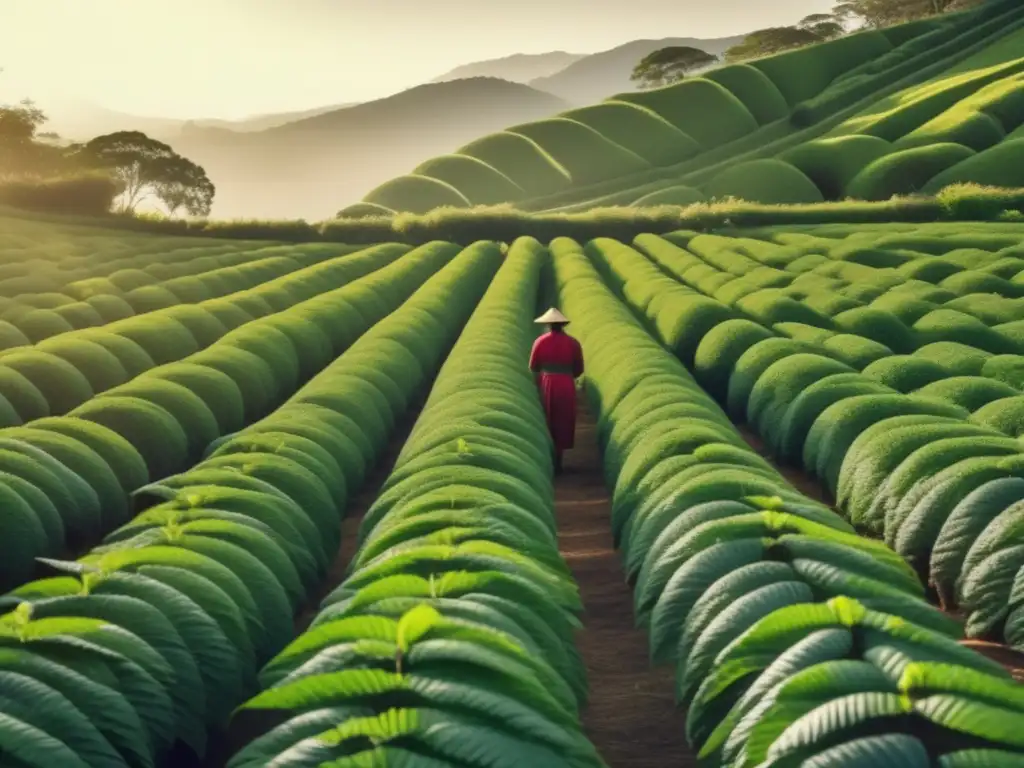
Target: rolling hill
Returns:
[[518, 68], [305, 168], [903, 110], [599, 75]]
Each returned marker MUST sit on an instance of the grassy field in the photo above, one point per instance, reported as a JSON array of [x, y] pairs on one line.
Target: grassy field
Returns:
[[906, 110], [274, 503]]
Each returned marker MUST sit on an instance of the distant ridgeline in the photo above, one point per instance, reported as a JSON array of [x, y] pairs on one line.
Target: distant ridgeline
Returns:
[[817, 123]]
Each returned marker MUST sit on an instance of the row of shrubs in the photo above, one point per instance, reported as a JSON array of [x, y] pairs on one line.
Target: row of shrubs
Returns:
[[68, 367], [450, 641], [907, 407], [148, 643], [795, 641], [166, 416]]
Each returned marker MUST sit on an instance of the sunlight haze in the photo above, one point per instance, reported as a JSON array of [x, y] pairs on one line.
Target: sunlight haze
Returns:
[[235, 58]]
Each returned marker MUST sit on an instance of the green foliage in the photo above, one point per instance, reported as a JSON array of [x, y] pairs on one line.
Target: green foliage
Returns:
[[82, 195], [906, 171], [639, 130], [521, 160], [416, 194], [833, 163], [764, 181], [681, 196], [585, 154], [699, 108], [995, 167], [753, 88], [478, 182], [669, 65]]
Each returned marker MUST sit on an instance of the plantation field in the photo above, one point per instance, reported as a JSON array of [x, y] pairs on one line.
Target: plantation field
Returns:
[[270, 504], [906, 110]]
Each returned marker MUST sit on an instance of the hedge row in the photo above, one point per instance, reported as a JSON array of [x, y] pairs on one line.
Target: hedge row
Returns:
[[150, 641], [66, 370], [164, 419], [450, 641], [796, 642], [901, 439]]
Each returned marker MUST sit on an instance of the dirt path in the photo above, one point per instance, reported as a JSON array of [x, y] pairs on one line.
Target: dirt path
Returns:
[[631, 717]]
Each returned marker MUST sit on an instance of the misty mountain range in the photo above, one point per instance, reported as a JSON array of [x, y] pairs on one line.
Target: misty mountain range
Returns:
[[311, 163]]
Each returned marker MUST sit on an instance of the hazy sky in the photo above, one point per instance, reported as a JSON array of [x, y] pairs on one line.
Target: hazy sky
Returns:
[[231, 58]]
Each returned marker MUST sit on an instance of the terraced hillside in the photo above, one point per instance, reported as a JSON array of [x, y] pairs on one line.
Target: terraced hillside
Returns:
[[269, 504], [909, 109]]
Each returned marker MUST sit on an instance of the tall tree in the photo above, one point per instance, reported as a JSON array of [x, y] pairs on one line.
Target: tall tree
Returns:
[[145, 166], [669, 65], [765, 42], [825, 26]]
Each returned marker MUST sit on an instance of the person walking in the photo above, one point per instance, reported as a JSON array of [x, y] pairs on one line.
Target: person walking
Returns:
[[556, 362]]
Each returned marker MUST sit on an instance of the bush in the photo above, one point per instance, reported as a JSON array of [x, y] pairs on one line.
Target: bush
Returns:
[[906, 172], [679, 195], [764, 181], [699, 108], [478, 182], [363, 211], [586, 155], [753, 88], [804, 73], [639, 130], [971, 128], [89, 195], [833, 163], [1000, 166], [416, 194], [521, 160]]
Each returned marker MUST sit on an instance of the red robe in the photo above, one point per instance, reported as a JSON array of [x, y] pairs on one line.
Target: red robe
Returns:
[[558, 358]]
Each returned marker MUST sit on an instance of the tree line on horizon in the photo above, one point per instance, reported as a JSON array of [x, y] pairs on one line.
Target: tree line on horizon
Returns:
[[674, 63], [115, 171]]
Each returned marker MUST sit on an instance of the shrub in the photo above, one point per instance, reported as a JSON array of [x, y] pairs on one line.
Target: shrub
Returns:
[[89, 195], [100, 367], [974, 129], [521, 160], [586, 155], [364, 211], [699, 108], [906, 172], [832, 163], [416, 194], [61, 383], [478, 182], [753, 88], [999, 166], [639, 130], [764, 181]]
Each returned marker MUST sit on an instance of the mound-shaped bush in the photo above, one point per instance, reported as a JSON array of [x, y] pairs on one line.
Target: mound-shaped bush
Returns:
[[1000, 166], [164, 339], [121, 456], [416, 194], [521, 160], [639, 130], [110, 307], [39, 324], [969, 392], [61, 383], [975, 129], [586, 155], [805, 72], [906, 172], [678, 195], [704, 110], [218, 390], [833, 163], [752, 87], [195, 417], [764, 181], [363, 211], [81, 314], [101, 368], [11, 337], [130, 279], [133, 358], [478, 182]]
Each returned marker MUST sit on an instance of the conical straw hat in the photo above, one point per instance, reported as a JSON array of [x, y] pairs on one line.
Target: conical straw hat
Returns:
[[552, 316]]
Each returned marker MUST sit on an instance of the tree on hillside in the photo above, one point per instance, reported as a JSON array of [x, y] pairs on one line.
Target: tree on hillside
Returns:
[[145, 166], [765, 42], [876, 14], [824, 26], [669, 65]]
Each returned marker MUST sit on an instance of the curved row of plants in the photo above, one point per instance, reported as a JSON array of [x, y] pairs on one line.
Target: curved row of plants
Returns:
[[150, 641], [65, 480], [28, 318], [908, 444], [796, 641], [450, 641], [63, 371]]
